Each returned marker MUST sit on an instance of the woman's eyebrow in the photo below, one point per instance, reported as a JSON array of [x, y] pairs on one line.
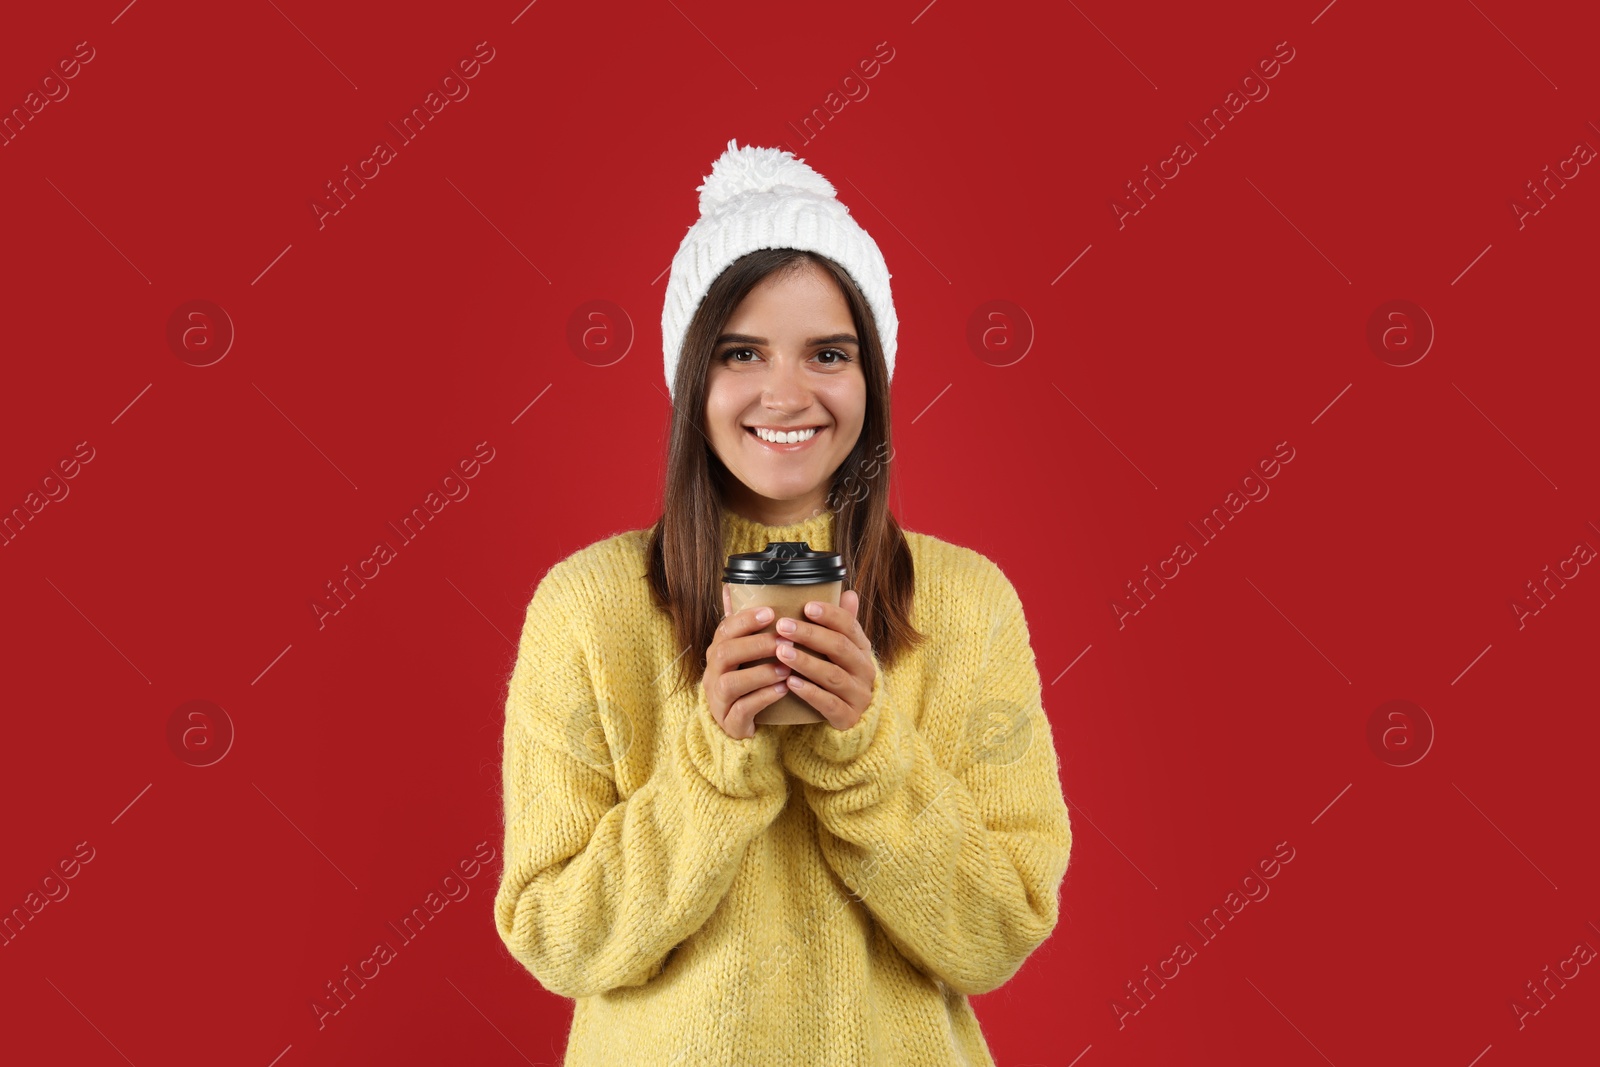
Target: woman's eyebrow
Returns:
[[831, 339]]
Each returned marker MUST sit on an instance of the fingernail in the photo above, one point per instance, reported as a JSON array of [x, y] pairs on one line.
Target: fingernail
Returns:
[[780, 687], [785, 649], [783, 672], [786, 626], [814, 610], [764, 615]]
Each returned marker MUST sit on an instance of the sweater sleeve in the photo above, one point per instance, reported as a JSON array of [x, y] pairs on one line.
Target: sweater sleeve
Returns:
[[597, 890], [961, 866]]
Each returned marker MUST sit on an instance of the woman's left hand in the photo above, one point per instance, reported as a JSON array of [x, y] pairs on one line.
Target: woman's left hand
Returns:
[[840, 686]]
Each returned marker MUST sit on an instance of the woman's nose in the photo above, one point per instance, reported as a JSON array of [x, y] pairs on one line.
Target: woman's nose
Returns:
[[786, 385]]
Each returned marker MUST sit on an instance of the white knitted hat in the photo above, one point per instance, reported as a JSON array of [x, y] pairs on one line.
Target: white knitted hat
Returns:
[[766, 198]]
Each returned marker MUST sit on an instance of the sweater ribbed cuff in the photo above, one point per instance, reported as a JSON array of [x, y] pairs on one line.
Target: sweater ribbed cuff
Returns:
[[736, 767], [876, 749]]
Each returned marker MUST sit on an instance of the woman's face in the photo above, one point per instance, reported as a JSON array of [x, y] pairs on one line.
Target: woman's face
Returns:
[[787, 359]]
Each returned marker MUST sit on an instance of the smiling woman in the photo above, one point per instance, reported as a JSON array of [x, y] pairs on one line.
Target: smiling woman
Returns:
[[711, 889], [784, 340], [785, 411]]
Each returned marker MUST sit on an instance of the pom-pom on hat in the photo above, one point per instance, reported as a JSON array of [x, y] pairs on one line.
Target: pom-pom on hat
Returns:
[[766, 198]]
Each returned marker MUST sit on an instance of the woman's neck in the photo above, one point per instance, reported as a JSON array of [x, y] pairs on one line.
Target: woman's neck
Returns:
[[769, 512], [740, 534]]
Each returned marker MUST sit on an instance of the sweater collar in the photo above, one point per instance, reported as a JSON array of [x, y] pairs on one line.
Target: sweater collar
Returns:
[[740, 534]]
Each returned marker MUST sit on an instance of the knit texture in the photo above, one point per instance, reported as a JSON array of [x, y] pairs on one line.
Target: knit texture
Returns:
[[758, 198], [808, 896]]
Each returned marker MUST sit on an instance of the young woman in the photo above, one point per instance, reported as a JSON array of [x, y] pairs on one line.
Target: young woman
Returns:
[[711, 890]]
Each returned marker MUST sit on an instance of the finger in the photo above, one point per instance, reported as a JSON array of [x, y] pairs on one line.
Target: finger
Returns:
[[743, 622], [716, 694], [750, 618], [839, 618], [827, 673], [739, 683], [829, 706], [838, 647], [750, 648], [859, 637], [744, 712]]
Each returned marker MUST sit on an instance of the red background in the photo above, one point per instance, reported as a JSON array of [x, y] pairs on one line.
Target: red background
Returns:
[[373, 353]]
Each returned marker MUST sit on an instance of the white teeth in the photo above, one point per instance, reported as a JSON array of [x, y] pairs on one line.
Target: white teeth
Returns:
[[790, 438]]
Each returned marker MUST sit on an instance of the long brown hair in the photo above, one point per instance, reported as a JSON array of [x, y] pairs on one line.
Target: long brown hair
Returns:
[[686, 554]]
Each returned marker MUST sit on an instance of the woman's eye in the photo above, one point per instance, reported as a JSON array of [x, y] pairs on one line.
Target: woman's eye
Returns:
[[729, 356]]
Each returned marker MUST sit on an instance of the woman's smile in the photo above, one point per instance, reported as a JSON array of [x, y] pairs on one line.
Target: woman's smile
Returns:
[[785, 445]]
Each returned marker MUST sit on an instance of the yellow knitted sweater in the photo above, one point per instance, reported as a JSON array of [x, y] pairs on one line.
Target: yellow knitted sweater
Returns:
[[807, 896]]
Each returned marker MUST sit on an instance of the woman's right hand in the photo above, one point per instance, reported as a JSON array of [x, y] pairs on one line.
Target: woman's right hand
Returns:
[[737, 695]]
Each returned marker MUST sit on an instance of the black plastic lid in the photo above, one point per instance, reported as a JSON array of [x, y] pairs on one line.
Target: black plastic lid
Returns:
[[784, 563]]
